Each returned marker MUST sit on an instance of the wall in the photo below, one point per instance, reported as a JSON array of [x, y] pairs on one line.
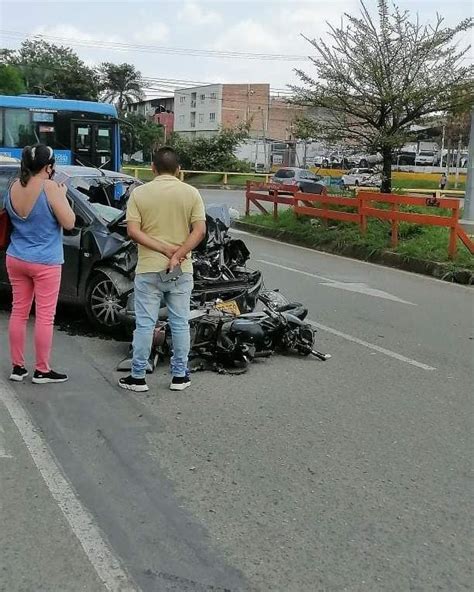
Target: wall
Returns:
[[281, 118], [198, 110], [242, 103]]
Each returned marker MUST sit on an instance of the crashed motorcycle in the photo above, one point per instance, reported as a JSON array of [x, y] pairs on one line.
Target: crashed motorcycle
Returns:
[[225, 343]]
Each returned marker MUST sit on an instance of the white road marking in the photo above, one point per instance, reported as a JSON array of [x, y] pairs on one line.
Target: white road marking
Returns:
[[3, 450], [414, 276], [348, 286], [377, 348], [104, 561]]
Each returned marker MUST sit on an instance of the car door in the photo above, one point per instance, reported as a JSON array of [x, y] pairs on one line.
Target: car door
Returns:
[[7, 175], [72, 241]]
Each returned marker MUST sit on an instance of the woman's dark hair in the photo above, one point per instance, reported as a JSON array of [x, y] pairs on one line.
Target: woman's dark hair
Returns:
[[33, 160]]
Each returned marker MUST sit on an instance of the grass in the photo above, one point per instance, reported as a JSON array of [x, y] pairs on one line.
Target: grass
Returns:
[[416, 241], [400, 180]]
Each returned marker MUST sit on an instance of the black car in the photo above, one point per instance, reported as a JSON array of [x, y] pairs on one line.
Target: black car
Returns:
[[100, 260]]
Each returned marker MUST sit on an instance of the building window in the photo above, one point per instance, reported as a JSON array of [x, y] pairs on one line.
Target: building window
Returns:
[[201, 117], [182, 99], [212, 116], [202, 98], [213, 96]]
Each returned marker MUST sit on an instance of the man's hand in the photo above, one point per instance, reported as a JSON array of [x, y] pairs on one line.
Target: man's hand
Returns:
[[175, 260], [170, 251]]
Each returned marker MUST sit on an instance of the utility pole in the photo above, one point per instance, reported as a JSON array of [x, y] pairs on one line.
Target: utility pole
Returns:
[[467, 221]]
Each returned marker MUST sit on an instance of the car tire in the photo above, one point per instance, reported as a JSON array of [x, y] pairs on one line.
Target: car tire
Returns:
[[325, 164], [102, 302], [357, 183]]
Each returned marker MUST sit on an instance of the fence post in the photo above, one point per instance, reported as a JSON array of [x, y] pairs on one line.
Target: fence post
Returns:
[[362, 218], [275, 204], [225, 178], [247, 201], [181, 175], [135, 173], [267, 178], [394, 225], [453, 233]]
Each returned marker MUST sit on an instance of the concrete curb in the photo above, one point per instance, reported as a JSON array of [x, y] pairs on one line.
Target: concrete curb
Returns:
[[439, 270]]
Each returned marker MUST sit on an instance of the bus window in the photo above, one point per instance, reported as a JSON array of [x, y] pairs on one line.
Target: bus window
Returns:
[[18, 128], [104, 144]]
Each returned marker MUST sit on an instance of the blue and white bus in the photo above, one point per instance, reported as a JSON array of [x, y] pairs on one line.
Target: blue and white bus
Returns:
[[80, 132]]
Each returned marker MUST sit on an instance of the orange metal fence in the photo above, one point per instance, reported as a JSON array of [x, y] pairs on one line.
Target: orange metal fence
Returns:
[[268, 193], [365, 205]]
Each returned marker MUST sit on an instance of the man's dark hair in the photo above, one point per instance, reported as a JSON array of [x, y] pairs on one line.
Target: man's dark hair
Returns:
[[166, 161]]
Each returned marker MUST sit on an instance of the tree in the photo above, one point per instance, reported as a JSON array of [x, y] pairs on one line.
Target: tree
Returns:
[[11, 80], [53, 70], [210, 154], [141, 134], [121, 84], [379, 77]]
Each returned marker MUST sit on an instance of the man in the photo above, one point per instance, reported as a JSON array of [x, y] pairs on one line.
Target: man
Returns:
[[443, 181], [166, 217]]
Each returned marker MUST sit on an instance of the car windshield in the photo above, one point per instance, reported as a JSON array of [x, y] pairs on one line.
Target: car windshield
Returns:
[[285, 174], [112, 192], [107, 213]]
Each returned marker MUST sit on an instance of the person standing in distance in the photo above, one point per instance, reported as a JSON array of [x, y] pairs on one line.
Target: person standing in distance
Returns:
[[167, 219], [443, 181]]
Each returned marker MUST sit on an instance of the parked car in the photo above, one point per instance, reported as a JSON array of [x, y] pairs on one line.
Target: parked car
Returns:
[[305, 180], [426, 158], [361, 177], [100, 260]]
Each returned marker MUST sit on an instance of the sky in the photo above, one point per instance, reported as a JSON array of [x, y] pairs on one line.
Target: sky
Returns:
[[255, 27]]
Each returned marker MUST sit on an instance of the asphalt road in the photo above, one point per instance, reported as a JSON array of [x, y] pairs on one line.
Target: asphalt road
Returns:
[[353, 474]]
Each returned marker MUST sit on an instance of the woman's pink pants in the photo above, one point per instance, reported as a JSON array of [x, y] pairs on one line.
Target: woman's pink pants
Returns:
[[39, 282]]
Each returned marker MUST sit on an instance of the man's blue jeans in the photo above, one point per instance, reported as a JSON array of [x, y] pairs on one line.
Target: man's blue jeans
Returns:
[[150, 291]]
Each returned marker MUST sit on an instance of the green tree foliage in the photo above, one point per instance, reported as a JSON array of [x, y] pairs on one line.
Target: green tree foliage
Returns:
[[11, 80], [141, 134], [211, 154], [120, 84], [376, 78], [53, 70]]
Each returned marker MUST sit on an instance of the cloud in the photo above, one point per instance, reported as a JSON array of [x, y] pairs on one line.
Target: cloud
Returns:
[[64, 34], [193, 14], [248, 36], [152, 33]]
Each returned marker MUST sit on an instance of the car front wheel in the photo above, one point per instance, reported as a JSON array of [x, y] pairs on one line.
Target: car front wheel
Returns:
[[102, 302]]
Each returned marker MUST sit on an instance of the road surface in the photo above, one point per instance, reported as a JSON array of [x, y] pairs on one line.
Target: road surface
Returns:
[[299, 476]]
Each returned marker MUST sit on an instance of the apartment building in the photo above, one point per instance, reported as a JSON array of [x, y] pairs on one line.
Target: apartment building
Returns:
[[203, 110]]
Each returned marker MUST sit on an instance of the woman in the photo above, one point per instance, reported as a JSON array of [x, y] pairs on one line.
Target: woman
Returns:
[[39, 210]]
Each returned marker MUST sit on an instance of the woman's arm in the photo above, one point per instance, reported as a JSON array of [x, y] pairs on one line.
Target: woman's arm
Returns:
[[56, 195]]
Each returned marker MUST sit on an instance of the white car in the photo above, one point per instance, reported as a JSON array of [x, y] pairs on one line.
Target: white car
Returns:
[[361, 177]]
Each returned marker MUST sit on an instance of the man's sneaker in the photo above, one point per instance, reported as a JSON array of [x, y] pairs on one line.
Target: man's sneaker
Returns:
[[50, 377], [138, 385], [179, 383], [18, 373]]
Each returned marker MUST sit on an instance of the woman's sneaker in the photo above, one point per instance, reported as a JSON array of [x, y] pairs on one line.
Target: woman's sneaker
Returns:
[[179, 383], [48, 377], [18, 373], [137, 385]]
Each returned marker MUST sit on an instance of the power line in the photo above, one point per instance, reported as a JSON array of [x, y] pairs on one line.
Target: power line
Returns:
[[116, 46]]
